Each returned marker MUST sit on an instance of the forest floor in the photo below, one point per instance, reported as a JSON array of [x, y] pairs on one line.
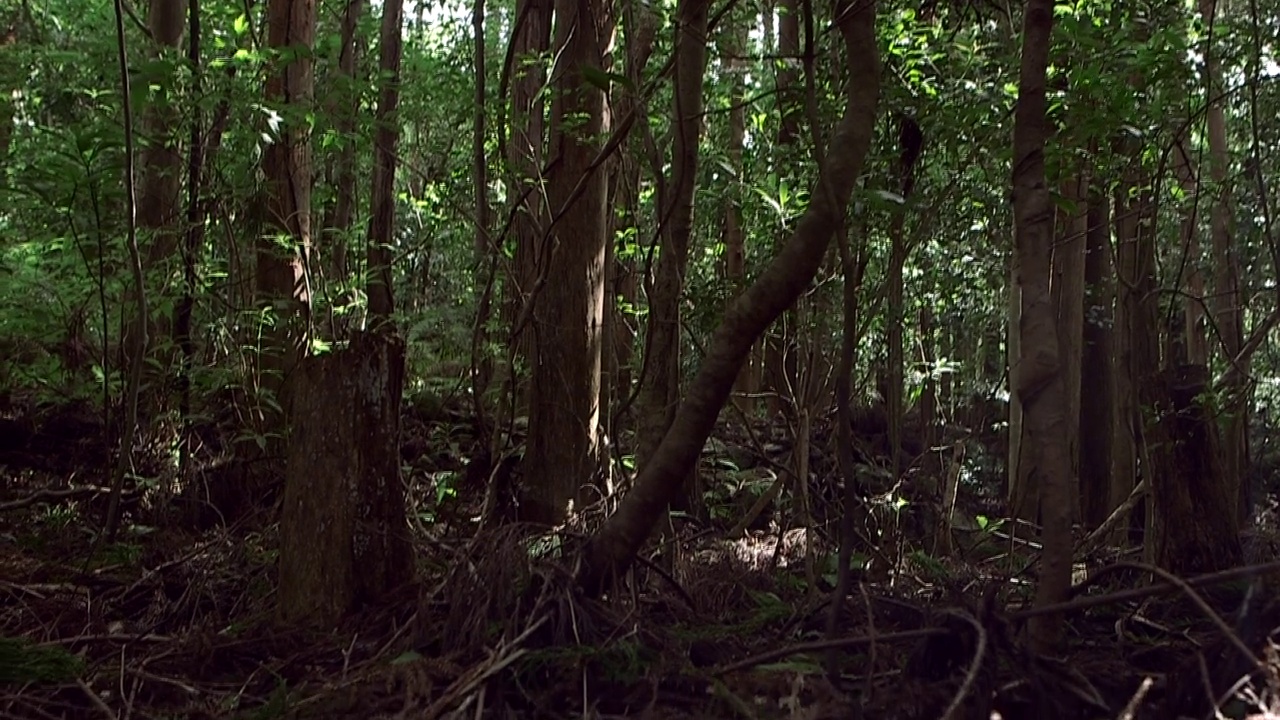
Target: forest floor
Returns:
[[168, 623]]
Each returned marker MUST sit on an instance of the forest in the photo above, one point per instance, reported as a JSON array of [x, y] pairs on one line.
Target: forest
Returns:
[[806, 359]]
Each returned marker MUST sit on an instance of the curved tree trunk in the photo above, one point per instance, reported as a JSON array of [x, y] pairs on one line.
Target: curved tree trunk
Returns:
[[613, 548]]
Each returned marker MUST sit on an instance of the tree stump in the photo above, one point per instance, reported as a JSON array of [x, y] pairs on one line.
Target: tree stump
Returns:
[[1195, 528], [344, 540]]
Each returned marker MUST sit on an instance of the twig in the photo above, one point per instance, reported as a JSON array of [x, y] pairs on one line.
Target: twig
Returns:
[[1203, 606], [47, 494], [1131, 707], [499, 660], [975, 666], [820, 645], [1082, 603], [95, 699]]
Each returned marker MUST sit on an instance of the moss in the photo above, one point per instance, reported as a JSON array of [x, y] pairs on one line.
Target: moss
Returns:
[[21, 661]]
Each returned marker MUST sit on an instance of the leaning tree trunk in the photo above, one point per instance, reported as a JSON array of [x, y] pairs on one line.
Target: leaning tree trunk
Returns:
[[564, 399], [1039, 373], [613, 548], [343, 533]]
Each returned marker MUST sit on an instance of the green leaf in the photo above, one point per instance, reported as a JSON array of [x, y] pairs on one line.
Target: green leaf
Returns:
[[597, 77], [407, 657], [241, 25]]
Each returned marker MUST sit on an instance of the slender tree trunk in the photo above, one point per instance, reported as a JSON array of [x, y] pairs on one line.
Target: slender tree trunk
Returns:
[[344, 104], [660, 388], [159, 209], [778, 360], [621, 283], [281, 275], [1041, 387], [1133, 341], [564, 402], [482, 361], [382, 213], [525, 151], [1227, 302], [1192, 280], [1068, 297], [1096, 399], [735, 253], [162, 160], [613, 548]]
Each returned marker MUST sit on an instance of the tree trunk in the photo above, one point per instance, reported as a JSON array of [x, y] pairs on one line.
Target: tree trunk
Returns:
[[1068, 298], [1095, 366], [281, 282], [1136, 336], [660, 386], [344, 104], [735, 252], [382, 211], [1041, 387], [343, 539], [613, 548], [564, 401], [1227, 303], [162, 161], [1195, 344], [777, 360], [620, 284], [524, 156], [481, 360], [1195, 524], [158, 211]]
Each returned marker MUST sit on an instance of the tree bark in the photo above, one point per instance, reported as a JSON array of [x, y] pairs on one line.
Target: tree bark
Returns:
[[1095, 366], [1227, 303], [281, 278], [564, 401], [613, 548], [343, 538], [1195, 523], [344, 103], [735, 252], [660, 386], [1041, 387], [383, 196], [1067, 280], [525, 151], [621, 285]]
